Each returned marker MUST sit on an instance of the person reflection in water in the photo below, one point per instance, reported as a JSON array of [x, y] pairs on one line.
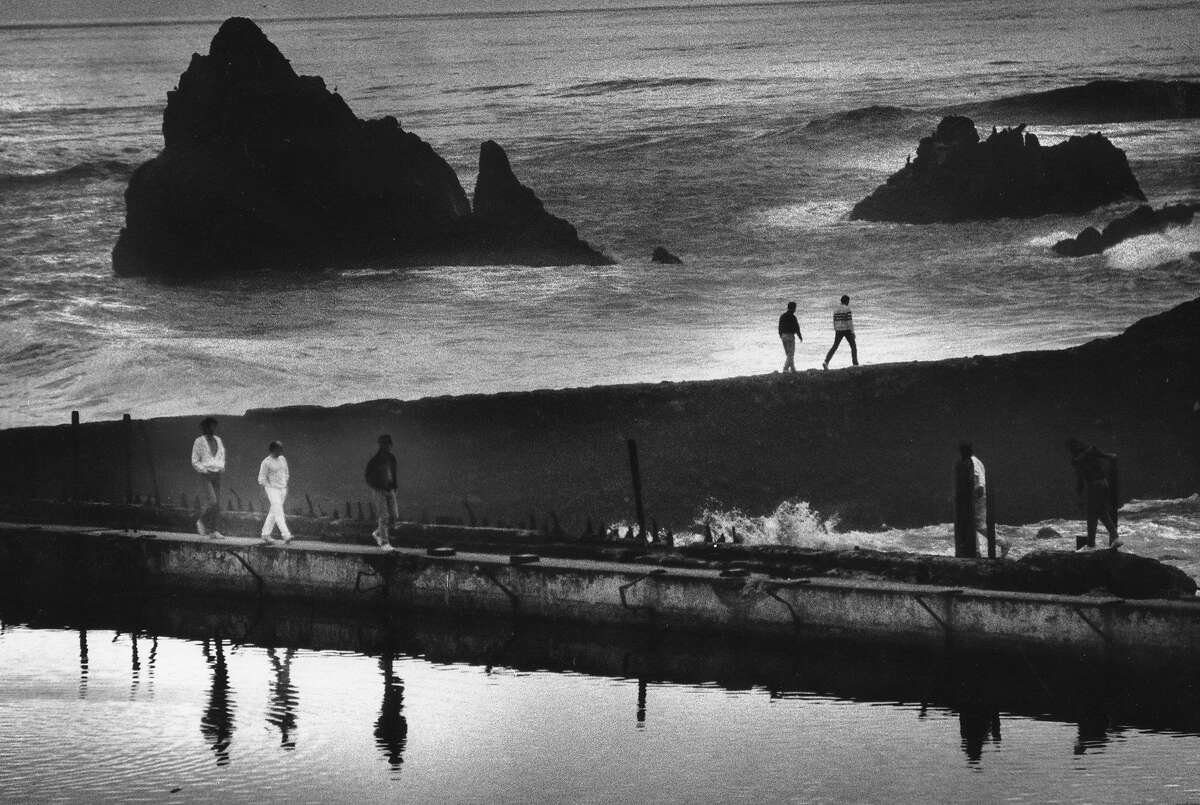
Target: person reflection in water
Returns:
[[976, 724], [217, 722], [281, 710], [391, 730]]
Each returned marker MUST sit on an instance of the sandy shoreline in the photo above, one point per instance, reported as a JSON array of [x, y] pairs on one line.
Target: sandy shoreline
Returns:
[[872, 445]]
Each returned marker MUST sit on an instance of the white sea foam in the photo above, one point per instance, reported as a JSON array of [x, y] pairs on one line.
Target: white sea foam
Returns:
[[1148, 251], [805, 215], [1049, 239]]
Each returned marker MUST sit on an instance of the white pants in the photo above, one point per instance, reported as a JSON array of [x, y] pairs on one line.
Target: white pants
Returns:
[[275, 515]]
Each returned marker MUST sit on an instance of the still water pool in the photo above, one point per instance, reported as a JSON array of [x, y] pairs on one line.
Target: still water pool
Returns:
[[191, 701]]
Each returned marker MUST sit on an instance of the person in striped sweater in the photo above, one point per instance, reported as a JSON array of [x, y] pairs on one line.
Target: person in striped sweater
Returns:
[[843, 329]]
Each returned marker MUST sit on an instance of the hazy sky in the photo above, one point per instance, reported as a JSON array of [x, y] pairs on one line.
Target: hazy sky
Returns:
[[90, 10]]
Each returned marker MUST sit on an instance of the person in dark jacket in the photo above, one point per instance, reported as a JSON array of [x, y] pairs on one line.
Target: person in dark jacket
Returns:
[[1096, 486], [382, 477], [789, 332]]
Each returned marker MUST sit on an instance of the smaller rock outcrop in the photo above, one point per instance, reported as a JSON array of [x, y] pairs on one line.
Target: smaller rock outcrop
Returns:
[[957, 177], [661, 255], [1144, 220]]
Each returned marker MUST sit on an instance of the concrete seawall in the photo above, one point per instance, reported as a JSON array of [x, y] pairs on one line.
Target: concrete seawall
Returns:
[[873, 444], [598, 593]]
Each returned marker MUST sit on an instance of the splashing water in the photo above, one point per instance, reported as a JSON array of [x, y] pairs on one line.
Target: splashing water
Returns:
[[793, 522], [1166, 530]]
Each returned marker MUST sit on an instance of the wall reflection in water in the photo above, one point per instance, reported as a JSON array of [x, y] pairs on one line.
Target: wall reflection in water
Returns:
[[1101, 695]]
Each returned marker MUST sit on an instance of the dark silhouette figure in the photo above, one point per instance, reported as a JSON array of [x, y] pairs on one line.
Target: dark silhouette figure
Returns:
[[391, 730], [972, 529], [1096, 486], [843, 329], [383, 478], [217, 722], [281, 710], [789, 334]]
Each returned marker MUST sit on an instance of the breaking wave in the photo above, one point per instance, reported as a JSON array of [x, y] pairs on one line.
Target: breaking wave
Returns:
[[84, 171], [1108, 101], [866, 117], [1180, 243], [632, 85]]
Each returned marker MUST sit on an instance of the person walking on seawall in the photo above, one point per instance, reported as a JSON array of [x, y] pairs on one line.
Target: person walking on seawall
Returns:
[[381, 476], [1096, 486], [208, 459], [843, 328], [789, 333], [273, 478]]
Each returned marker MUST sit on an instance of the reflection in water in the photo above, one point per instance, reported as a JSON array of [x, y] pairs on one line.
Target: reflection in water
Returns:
[[391, 730], [281, 710], [135, 664], [217, 722], [977, 723], [641, 706], [83, 663]]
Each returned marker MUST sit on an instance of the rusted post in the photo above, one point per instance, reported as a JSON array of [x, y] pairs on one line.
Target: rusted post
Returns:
[[991, 520], [637, 485], [74, 494], [127, 440]]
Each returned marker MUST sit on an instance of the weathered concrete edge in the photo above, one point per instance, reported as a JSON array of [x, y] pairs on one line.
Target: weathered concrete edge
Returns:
[[598, 592]]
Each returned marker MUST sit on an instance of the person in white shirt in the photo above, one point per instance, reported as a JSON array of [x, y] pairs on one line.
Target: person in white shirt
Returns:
[[208, 459], [273, 478]]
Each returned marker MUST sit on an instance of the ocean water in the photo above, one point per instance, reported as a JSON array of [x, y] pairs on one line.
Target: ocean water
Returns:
[[210, 704], [736, 135]]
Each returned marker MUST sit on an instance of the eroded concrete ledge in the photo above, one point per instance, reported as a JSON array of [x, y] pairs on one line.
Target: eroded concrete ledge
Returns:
[[595, 592]]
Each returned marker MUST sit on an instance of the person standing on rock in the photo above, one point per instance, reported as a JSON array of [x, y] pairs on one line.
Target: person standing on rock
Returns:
[[382, 477], [208, 459], [971, 506], [273, 478], [789, 333], [843, 328], [1096, 486]]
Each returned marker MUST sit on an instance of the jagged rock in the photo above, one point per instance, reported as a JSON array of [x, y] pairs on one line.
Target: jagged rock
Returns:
[[509, 218], [264, 168], [661, 255], [955, 177], [1142, 221]]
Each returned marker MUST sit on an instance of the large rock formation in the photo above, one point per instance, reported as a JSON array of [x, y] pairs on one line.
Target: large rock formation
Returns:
[[1142, 221], [264, 168], [956, 177]]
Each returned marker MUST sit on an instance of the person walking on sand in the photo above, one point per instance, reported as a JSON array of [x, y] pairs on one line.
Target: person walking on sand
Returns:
[[208, 459], [382, 477], [1096, 486], [789, 333], [843, 328], [273, 478]]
